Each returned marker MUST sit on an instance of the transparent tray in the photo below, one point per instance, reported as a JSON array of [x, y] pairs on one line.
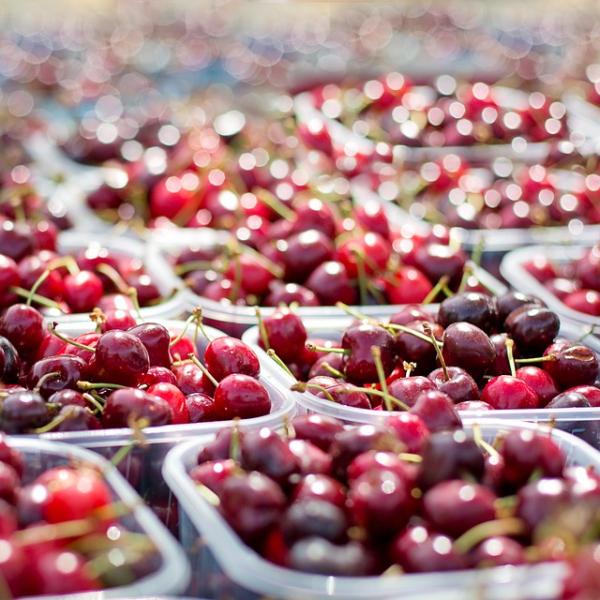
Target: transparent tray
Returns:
[[582, 422], [171, 577], [224, 566]]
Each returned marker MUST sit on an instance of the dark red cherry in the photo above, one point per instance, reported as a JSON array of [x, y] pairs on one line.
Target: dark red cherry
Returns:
[[121, 357], [541, 500], [241, 396], [11, 363], [174, 398], [126, 405], [158, 375], [539, 381], [22, 412], [408, 389], [410, 314], [346, 394], [331, 283], [360, 340], [56, 373], [9, 277], [475, 308], [68, 398], [532, 328], [511, 301], [437, 411], [305, 252], [588, 269], [505, 392], [373, 460], [410, 430], [23, 326], [590, 392], [311, 459], [541, 268], [459, 385], [285, 333], [82, 291], [265, 451], [286, 293], [314, 518], [416, 349], [319, 430], [191, 380], [201, 408], [226, 356], [156, 339], [213, 474], [16, 240], [573, 365], [76, 418], [467, 346], [436, 260], [320, 487], [498, 551]]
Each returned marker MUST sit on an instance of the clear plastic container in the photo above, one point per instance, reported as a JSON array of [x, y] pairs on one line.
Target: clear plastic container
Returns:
[[142, 466], [224, 566], [515, 273], [175, 303], [171, 577], [234, 320], [582, 422]]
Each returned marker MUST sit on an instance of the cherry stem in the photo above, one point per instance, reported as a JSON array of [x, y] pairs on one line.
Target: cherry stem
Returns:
[[193, 265], [478, 439], [302, 387], [510, 344], [376, 352], [539, 359], [408, 367], [88, 385], [405, 329], [44, 378], [36, 285], [54, 423], [436, 289], [362, 276], [115, 277], [262, 330], [275, 358], [208, 494], [235, 447], [52, 329], [94, 402], [314, 348], [204, 370], [410, 457], [332, 370], [272, 267], [41, 300], [467, 272], [133, 295], [429, 332], [479, 533], [274, 204], [353, 312]]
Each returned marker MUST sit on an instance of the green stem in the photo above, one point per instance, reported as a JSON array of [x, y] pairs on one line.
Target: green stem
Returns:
[[274, 204], [405, 329], [68, 340], [429, 332], [483, 531], [36, 285], [539, 359], [315, 348], [510, 344], [115, 277], [204, 370], [334, 372], [41, 300], [436, 289], [44, 378], [88, 385], [273, 356], [376, 352], [264, 336], [94, 402]]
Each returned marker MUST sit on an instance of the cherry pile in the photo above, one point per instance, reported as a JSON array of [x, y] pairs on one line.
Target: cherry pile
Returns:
[[32, 268], [445, 113], [477, 352], [57, 532], [333, 500], [453, 192], [575, 283], [122, 375], [316, 257]]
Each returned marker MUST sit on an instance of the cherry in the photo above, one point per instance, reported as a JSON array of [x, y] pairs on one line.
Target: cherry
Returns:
[[82, 291], [286, 334], [213, 474], [573, 365], [121, 357], [56, 373], [539, 381], [62, 572], [23, 326], [226, 356], [498, 551], [587, 301], [175, 399], [128, 404], [181, 347], [587, 269], [241, 396], [524, 452], [450, 455], [409, 314], [158, 375], [541, 500], [511, 301], [13, 566], [251, 273], [372, 217], [408, 389], [320, 487], [16, 240], [331, 283], [10, 456], [331, 360], [418, 550], [191, 380], [456, 383], [265, 451], [360, 364], [251, 503], [304, 252], [286, 293], [532, 328], [569, 400], [347, 395], [118, 319], [9, 277], [156, 339], [23, 411], [76, 418], [453, 507], [10, 363], [409, 285], [380, 501], [317, 555], [437, 261], [590, 392], [505, 392], [310, 518], [475, 308], [9, 483], [410, 430], [473, 405], [437, 411], [416, 349], [319, 430], [311, 459]]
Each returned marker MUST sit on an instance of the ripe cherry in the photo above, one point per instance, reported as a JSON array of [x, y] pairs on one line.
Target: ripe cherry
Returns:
[[175, 398], [23, 326], [241, 396], [121, 357], [505, 392], [286, 334], [226, 356], [156, 339], [437, 411], [82, 291], [128, 404]]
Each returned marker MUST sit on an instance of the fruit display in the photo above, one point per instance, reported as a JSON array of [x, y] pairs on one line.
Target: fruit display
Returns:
[[394, 499], [70, 525]]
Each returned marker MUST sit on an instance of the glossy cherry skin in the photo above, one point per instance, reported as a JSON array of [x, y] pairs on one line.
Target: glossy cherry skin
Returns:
[[23, 326], [467, 346], [213, 474], [541, 500], [62, 572], [16, 240], [436, 260], [532, 328], [539, 381], [360, 340], [118, 319], [156, 339], [380, 501], [525, 451], [11, 363], [373, 460], [314, 518], [573, 365], [201, 408], [251, 503], [14, 567], [410, 429], [498, 551], [310, 458], [586, 301], [414, 349], [331, 283], [347, 395], [450, 455], [408, 389], [286, 334], [254, 276], [23, 411], [588, 269], [505, 392], [407, 285], [175, 398], [320, 487], [460, 386], [158, 375], [191, 380], [241, 396], [76, 418], [590, 392], [122, 357], [511, 301], [58, 373], [286, 293], [437, 411], [226, 356], [9, 277], [410, 314], [68, 397], [475, 308], [305, 252], [319, 430], [128, 404], [455, 506], [83, 291], [418, 550]]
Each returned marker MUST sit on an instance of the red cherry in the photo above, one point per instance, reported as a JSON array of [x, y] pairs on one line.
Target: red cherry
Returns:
[[121, 357], [241, 396], [505, 392], [83, 291], [175, 398], [407, 286], [226, 356]]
